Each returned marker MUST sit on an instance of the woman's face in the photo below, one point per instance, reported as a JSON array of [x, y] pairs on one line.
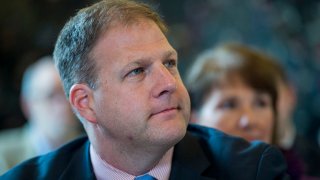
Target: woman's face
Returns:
[[239, 110]]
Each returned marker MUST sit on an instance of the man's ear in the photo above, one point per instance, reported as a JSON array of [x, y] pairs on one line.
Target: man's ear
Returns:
[[80, 98]]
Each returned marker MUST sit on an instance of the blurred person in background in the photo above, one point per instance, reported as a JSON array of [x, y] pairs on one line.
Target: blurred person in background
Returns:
[[244, 92], [51, 122], [287, 137]]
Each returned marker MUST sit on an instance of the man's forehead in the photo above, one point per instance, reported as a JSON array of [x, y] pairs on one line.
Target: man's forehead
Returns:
[[125, 34], [134, 42]]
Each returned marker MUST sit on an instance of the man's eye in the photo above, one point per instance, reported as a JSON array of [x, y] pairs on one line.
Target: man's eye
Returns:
[[135, 72], [170, 63]]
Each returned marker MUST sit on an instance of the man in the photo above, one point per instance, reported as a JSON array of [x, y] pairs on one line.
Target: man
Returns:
[[51, 122], [120, 75]]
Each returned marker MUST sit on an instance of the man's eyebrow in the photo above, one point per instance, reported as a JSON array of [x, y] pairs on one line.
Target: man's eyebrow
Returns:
[[144, 60], [170, 53], [140, 61]]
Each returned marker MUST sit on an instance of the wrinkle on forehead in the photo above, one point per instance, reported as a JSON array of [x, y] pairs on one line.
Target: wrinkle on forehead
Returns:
[[136, 36], [130, 38]]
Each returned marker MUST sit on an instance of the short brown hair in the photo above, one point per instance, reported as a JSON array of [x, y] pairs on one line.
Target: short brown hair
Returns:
[[80, 34]]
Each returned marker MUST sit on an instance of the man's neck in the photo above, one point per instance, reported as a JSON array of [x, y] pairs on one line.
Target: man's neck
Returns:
[[160, 171], [135, 161]]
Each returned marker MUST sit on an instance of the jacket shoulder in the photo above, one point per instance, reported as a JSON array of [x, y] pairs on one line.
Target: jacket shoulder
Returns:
[[233, 157], [51, 165]]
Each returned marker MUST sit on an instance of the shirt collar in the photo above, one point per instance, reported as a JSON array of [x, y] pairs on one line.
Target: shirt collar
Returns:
[[105, 171]]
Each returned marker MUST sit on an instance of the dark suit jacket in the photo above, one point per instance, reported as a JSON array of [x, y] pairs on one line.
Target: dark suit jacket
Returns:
[[202, 154]]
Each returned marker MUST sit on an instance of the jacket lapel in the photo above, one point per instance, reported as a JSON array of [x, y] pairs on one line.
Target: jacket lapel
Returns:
[[80, 166], [190, 161]]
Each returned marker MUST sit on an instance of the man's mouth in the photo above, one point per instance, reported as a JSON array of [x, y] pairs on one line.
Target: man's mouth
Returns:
[[167, 110]]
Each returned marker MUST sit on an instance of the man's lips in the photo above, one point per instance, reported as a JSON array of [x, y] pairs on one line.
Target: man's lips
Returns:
[[165, 110]]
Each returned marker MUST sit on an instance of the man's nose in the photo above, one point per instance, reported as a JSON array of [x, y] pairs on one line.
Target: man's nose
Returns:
[[165, 82]]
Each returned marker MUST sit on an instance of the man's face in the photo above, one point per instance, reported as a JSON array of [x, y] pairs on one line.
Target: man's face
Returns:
[[140, 99]]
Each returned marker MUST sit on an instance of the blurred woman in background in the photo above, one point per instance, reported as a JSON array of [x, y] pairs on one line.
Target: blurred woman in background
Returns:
[[235, 88]]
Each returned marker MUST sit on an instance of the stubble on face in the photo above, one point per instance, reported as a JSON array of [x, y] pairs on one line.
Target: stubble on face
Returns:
[[127, 109]]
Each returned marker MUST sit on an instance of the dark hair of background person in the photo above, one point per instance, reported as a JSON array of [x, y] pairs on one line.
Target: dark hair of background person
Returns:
[[200, 83]]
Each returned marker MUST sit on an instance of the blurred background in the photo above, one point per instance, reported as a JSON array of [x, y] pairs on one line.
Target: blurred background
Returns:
[[287, 29]]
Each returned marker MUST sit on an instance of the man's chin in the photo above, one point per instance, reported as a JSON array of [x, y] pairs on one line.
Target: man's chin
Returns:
[[176, 134]]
